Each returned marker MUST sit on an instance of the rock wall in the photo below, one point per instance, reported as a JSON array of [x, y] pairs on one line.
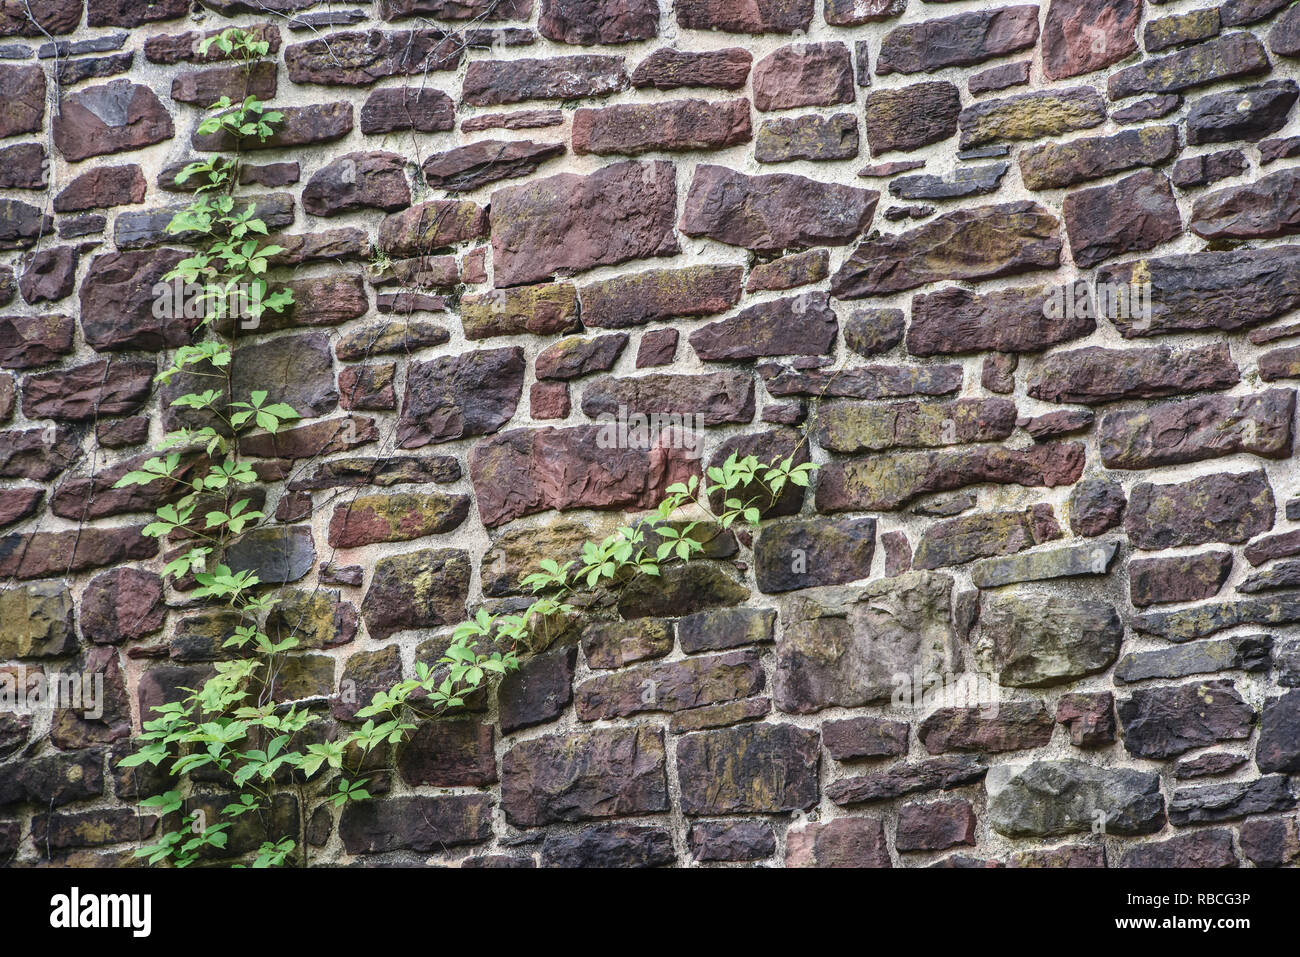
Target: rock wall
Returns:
[[1020, 274]]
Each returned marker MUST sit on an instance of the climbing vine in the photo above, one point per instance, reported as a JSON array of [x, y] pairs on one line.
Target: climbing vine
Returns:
[[232, 730]]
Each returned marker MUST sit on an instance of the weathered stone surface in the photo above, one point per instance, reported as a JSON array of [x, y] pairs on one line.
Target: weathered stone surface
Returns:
[[30, 341], [24, 166], [865, 737], [1089, 716], [395, 109], [1004, 726], [1027, 116], [717, 397], [100, 188], [804, 554], [1032, 641], [957, 320], [37, 621], [669, 69], [611, 845], [598, 21], [362, 58], [910, 117], [525, 471], [1250, 113], [458, 396], [774, 211], [1094, 374], [568, 223], [1196, 429], [425, 227], [1180, 29], [653, 295], [843, 842], [486, 161], [24, 110], [803, 74], [1235, 55], [963, 539], [1278, 748], [539, 691], [358, 181], [54, 781], [675, 686], [22, 224], [37, 454], [18, 503], [1248, 653], [1209, 764], [1200, 849], [1261, 209], [1202, 620], [900, 780], [978, 243], [399, 517], [421, 589], [682, 589], [810, 137], [849, 656], [1269, 842], [117, 299], [125, 604], [754, 768], [1054, 798], [1133, 214], [964, 181], [83, 392], [887, 482], [116, 116], [610, 772], [1208, 168], [495, 82], [870, 332], [449, 754], [853, 428], [417, 822], [935, 826], [1225, 507], [1166, 721], [1067, 562], [1211, 290], [797, 325], [960, 40], [731, 840], [615, 644], [1080, 36], [762, 16], [1284, 38], [1054, 165], [1178, 578]]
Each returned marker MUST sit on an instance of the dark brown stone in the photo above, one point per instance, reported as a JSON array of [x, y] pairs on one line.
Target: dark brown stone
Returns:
[[978, 243], [961, 40], [774, 211], [1225, 507], [910, 117]]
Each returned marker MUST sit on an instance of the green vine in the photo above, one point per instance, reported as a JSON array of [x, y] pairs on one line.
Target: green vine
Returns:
[[232, 729]]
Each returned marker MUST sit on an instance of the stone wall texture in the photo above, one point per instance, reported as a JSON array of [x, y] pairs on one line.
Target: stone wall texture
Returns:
[[874, 223]]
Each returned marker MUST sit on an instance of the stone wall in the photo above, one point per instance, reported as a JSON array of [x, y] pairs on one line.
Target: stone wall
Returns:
[[862, 221]]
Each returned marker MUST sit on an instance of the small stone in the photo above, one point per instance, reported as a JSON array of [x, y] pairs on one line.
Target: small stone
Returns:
[[803, 74], [755, 768], [961, 40], [1089, 716], [843, 842], [911, 117], [1178, 578]]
